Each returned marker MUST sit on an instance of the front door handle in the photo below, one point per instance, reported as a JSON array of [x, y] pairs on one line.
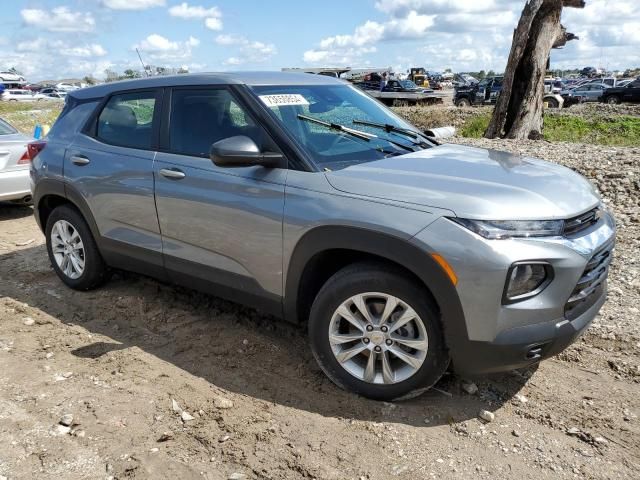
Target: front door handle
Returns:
[[173, 173], [80, 160]]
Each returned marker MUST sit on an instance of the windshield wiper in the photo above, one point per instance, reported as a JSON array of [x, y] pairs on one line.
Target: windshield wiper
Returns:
[[356, 133], [337, 126], [393, 129], [388, 127]]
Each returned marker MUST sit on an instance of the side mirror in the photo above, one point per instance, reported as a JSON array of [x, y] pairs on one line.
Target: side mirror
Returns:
[[241, 151]]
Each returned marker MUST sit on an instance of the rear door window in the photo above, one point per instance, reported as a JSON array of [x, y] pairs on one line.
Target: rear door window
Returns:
[[127, 120]]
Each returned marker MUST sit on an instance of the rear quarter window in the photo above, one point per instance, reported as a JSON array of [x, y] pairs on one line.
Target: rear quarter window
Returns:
[[127, 120], [71, 120]]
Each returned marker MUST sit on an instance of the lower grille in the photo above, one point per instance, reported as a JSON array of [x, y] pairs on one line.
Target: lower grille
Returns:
[[591, 284]]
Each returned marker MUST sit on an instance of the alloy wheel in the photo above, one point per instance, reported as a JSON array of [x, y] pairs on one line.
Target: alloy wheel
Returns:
[[378, 338], [68, 249]]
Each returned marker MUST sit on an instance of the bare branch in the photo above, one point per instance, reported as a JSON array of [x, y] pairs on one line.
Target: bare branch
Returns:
[[574, 3]]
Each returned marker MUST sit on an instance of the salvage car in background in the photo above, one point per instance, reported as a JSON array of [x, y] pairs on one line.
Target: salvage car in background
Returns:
[[486, 92], [17, 95], [629, 93], [401, 86], [14, 165], [589, 92], [10, 77], [54, 93]]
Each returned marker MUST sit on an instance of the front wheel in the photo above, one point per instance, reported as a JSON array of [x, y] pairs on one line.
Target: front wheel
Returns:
[[373, 331], [613, 100], [463, 102]]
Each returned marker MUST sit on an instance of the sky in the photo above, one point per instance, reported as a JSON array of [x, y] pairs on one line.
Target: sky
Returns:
[[52, 39]]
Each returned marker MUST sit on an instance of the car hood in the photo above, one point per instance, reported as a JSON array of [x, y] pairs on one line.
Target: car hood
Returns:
[[473, 183]]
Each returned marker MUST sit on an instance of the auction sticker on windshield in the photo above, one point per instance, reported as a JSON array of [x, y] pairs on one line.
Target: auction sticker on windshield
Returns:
[[283, 100]]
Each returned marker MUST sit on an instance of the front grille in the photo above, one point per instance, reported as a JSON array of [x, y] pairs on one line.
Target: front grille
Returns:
[[591, 283], [577, 224]]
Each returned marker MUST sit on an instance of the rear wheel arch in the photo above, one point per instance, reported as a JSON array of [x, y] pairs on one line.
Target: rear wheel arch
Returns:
[[323, 251], [50, 194]]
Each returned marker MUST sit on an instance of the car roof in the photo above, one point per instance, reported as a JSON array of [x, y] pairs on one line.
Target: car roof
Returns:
[[225, 78]]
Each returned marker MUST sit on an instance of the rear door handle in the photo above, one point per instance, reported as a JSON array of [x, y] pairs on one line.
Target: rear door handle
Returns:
[[80, 160], [173, 173]]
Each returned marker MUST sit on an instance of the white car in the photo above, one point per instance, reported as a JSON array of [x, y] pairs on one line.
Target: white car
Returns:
[[54, 96], [52, 92], [10, 77], [66, 87], [17, 95], [15, 161]]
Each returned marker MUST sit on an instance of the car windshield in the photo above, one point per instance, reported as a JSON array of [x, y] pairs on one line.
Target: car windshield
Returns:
[[408, 84], [6, 129], [339, 125]]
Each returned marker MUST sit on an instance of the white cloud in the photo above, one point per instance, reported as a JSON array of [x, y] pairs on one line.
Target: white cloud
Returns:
[[59, 19], [213, 23], [157, 47], [249, 51], [226, 39], [62, 48], [132, 4], [212, 15], [342, 49], [469, 35], [184, 10]]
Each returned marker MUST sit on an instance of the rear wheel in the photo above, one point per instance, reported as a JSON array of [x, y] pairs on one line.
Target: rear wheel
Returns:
[[463, 102], [613, 100], [374, 332], [73, 251]]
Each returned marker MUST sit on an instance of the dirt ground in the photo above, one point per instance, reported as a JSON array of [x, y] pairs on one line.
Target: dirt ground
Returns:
[[160, 382]]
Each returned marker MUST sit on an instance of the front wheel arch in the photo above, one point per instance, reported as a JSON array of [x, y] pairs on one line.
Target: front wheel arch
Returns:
[[356, 244]]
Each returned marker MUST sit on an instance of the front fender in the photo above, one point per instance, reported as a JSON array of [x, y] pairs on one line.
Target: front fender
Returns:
[[391, 248]]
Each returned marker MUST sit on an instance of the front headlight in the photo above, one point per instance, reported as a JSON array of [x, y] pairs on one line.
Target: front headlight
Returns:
[[501, 229]]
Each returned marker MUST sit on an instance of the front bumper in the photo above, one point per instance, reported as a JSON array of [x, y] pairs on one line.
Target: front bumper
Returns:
[[14, 184], [523, 346], [492, 336]]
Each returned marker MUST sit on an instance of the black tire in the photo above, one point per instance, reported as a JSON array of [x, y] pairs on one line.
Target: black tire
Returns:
[[612, 100], [374, 277], [553, 103], [463, 102], [95, 271]]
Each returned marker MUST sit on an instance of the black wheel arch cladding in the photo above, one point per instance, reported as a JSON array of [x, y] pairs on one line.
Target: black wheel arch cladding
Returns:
[[391, 248]]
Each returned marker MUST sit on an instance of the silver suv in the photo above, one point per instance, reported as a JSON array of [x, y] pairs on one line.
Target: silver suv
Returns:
[[302, 196]]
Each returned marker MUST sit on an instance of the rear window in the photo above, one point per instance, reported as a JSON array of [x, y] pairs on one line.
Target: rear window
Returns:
[[126, 120], [6, 129]]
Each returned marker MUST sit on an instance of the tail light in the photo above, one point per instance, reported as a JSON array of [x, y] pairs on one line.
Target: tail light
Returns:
[[25, 158], [33, 149]]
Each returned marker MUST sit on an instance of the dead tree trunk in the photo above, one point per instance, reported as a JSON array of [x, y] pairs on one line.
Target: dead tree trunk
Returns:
[[518, 112]]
